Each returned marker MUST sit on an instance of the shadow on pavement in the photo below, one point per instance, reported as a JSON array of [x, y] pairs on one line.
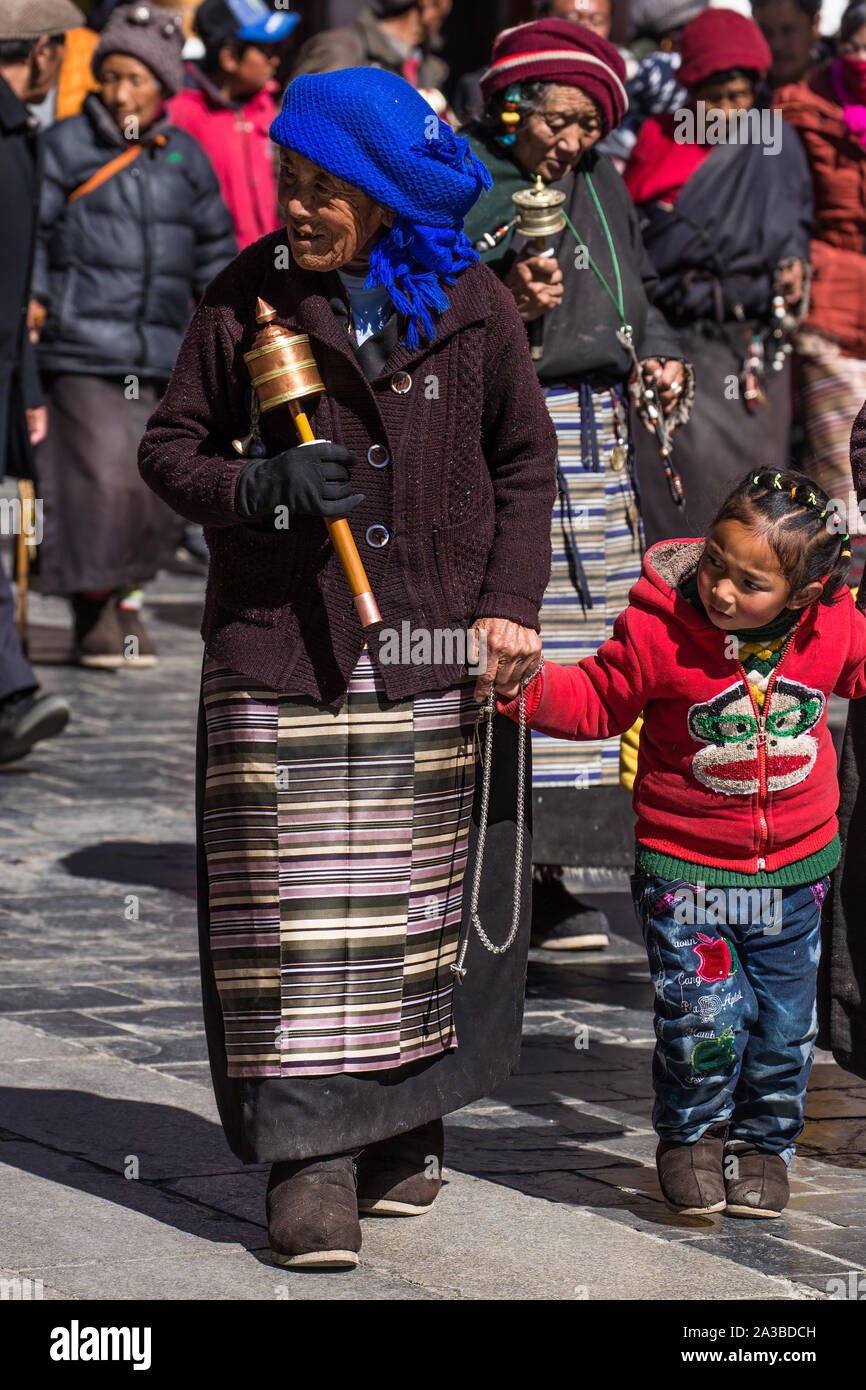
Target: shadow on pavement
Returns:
[[162, 865]]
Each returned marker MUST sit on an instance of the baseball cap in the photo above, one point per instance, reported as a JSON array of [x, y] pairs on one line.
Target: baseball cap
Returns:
[[253, 21]]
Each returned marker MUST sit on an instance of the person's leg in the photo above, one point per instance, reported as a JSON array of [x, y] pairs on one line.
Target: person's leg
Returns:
[[780, 960], [16, 673], [704, 1005], [25, 716], [703, 1009]]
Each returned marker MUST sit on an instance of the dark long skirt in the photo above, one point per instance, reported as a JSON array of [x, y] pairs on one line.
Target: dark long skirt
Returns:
[[103, 527], [720, 442], [274, 1119], [842, 972]]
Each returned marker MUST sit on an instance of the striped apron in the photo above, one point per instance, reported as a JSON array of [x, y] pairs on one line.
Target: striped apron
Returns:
[[596, 559], [336, 846]]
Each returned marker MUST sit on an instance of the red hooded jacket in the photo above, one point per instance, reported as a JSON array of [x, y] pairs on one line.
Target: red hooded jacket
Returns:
[[237, 142], [722, 780]]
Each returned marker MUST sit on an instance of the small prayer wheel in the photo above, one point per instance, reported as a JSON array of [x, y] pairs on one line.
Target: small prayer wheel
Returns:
[[283, 371], [540, 212], [540, 215]]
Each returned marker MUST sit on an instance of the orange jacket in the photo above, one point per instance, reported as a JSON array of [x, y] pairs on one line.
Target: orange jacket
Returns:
[[837, 162], [76, 77]]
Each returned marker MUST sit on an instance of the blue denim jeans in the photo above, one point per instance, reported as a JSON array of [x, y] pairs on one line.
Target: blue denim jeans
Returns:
[[734, 972]]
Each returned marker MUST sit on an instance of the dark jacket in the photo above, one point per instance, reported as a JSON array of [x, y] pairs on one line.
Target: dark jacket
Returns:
[[735, 221], [842, 972], [580, 334], [118, 269], [466, 496], [364, 44], [19, 181], [837, 161]]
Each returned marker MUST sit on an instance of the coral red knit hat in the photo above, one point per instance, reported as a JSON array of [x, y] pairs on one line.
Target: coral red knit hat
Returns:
[[558, 50], [718, 40]]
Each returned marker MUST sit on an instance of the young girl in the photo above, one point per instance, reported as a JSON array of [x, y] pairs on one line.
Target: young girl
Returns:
[[730, 646]]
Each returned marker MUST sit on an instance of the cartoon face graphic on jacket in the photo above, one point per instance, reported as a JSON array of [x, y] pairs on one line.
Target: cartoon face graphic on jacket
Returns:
[[728, 726]]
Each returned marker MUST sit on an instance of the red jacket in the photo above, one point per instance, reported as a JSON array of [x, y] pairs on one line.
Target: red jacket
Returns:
[[237, 143], [720, 780]]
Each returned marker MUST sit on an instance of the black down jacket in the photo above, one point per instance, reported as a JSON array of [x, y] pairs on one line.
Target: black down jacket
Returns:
[[119, 268]]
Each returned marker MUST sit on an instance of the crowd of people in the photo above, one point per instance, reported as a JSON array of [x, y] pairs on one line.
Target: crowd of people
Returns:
[[543, 437]]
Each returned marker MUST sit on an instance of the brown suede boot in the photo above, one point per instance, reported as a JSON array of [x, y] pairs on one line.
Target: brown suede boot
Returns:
[[313, 1213], [756, 1182], [402, 1176], [691, 1175]]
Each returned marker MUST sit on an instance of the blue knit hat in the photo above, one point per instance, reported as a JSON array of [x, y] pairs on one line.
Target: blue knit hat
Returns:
[[376, 132]]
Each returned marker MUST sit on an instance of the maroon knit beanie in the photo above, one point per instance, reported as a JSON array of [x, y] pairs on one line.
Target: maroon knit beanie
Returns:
[[152, 35], [718, 40], [558, 50]]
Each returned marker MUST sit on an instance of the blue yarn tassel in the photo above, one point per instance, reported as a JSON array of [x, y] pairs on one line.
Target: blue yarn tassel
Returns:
[[413, 261]]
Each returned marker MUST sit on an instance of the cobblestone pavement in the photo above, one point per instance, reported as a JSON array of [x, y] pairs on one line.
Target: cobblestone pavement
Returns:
[[115, 1180]]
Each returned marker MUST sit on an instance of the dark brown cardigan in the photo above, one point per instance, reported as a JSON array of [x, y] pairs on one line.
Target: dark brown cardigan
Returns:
[[466, 498]]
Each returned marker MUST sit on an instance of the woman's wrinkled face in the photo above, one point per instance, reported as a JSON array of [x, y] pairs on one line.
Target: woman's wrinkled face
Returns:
[[129, 91], [329, 223], [552, 141]]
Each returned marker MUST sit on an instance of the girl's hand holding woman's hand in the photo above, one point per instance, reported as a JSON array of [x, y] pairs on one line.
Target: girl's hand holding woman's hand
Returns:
[[509, 653]]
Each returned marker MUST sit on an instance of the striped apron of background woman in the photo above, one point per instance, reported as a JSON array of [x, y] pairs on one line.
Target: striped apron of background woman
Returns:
[[596, 559]]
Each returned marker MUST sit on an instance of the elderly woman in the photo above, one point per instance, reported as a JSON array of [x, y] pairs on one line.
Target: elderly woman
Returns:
[[337, 774], [553, 90], [722, 190], [131, 229]]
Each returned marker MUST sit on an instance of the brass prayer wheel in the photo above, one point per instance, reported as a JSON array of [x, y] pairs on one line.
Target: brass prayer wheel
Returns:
[[283, 371], [539, 210], [281, 365]]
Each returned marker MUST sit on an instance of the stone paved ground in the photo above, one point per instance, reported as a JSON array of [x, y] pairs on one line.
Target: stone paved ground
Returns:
[[115, 1180]]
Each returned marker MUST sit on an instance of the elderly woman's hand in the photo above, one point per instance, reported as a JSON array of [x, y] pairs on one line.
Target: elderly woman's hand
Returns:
[[511, 652], [668, 380], [536, 284]]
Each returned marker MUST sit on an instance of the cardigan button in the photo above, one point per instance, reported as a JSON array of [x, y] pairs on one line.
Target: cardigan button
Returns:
[[401, 382], [378, 456], [378, 535]]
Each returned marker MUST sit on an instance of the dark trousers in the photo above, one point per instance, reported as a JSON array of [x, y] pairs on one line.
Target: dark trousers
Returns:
[[16, 673]]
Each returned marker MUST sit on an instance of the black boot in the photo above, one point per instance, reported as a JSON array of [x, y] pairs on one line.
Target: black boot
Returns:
[[98, 637], [313, 1213], [402, 1176], [561, 922]]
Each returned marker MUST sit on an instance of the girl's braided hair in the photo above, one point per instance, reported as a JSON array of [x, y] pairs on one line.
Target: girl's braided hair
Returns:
[[808, 536]]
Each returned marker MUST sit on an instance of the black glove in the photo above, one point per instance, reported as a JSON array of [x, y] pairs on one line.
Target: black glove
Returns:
[[309, 480]]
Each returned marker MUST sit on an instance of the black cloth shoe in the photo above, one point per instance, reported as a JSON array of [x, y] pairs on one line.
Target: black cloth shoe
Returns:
[[561, 922], [98, 638], [26, 718], [691, 1176], [756, 1182], [402, 1176], [313, 1213]]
